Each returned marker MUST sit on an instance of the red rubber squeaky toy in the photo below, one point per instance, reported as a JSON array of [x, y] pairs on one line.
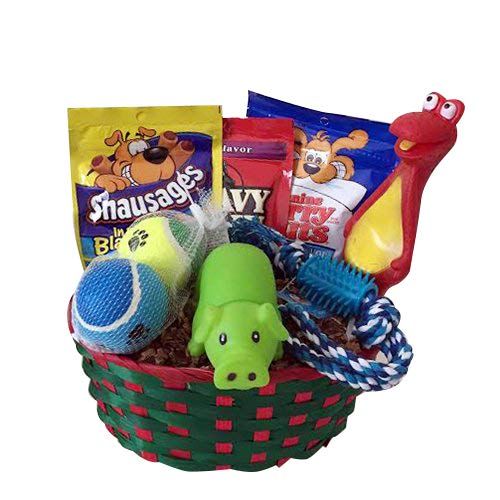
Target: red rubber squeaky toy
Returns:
[[380, 236]]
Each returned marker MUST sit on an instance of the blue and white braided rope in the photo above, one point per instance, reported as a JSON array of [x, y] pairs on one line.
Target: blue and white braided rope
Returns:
[[337, 363], [376, 324]]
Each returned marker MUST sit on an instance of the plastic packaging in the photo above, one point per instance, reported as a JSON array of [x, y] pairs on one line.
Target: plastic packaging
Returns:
[[258, 161], [338, 162], [129, 162]]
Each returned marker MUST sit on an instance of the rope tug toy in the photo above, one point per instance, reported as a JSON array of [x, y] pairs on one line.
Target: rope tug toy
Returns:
[[342, 290]]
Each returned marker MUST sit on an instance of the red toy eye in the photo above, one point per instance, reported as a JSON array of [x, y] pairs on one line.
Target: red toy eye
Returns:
[[448, 110], [431, 102]]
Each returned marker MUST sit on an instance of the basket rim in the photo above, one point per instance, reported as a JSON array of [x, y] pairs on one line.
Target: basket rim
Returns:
[[183, 375]]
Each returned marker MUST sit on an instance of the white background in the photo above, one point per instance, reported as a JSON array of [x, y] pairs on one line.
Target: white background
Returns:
[[434, 436]]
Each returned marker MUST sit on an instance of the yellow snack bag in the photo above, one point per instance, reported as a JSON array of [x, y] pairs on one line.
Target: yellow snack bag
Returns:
[[128, 162]]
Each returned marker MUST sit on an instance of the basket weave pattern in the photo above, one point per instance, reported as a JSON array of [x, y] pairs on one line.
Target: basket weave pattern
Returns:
[[176, 415]]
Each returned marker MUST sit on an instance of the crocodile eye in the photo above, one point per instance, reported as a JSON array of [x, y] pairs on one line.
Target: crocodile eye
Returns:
[[448, 110], [431, 102], [222, 338], [256, 337]]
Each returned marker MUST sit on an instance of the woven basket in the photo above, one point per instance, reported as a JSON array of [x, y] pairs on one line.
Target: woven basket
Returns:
[[176, 415]]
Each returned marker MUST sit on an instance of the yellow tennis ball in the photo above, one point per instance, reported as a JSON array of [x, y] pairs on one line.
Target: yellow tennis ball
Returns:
[[151, 241]]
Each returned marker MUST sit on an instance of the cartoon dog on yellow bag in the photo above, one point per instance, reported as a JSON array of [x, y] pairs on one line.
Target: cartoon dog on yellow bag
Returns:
[[136, 162], [318, 158]]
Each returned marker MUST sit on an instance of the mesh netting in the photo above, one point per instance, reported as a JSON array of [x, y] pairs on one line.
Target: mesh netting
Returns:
[[119, 306], [126, 298]]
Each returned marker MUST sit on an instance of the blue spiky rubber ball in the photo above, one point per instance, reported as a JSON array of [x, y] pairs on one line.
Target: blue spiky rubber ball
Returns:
[[119, 306]]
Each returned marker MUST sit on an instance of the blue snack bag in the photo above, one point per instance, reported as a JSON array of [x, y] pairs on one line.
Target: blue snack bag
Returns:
[[338, 162]]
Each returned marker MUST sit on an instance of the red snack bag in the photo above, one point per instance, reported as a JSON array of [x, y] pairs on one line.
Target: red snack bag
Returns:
[[257, 169]]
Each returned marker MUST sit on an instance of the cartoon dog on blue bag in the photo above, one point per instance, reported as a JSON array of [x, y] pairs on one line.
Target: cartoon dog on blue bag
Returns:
[[318, 158]]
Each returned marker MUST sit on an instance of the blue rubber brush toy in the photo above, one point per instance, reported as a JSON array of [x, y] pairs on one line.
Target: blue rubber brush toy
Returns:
[[331, 284]]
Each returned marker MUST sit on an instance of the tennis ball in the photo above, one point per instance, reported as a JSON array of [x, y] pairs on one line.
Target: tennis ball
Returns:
[[179, 230], [119, 306], [151, 241]]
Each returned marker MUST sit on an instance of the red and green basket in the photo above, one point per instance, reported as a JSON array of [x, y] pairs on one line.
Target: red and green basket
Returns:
[[176, 415]]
